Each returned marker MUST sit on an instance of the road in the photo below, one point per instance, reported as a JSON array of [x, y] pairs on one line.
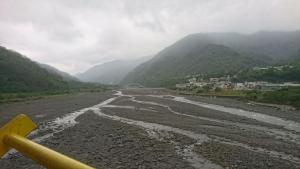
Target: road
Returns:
[[152, 128]]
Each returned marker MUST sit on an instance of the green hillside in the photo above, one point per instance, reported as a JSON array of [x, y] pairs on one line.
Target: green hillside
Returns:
[[190, 57], [278, 74], [287, 70], [20, 74], [215, 53], [65, 76]]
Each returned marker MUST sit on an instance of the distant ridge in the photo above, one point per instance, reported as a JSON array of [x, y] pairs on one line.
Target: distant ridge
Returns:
[[20, 74], [111, 72], [211, 53], [53, 70]]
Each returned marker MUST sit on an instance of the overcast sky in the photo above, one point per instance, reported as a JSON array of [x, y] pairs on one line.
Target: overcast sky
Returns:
[[73, 35]]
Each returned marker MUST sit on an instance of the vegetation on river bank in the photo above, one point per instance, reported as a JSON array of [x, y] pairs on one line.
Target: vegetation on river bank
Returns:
[[23, 79], [23, 96], [287, 96]]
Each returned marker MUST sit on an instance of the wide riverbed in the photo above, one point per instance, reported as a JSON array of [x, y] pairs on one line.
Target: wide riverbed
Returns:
[[152, 128]]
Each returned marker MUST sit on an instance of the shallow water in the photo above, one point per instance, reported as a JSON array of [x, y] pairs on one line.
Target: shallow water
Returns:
[[195, 159], [287, 124], [153, 127], [69, 120], [284, 135], [188, 154]]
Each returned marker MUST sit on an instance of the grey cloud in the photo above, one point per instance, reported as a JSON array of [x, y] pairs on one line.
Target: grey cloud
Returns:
[[76, 34]]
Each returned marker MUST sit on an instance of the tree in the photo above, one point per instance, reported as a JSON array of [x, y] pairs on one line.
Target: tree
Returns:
[[218, 89]]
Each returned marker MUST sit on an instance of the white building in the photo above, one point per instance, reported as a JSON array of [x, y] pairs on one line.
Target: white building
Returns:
[[181, 86], [193, 80], [240, 86]]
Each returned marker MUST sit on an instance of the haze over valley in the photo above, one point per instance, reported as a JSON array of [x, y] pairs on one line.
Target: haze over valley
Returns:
[[164, 84]]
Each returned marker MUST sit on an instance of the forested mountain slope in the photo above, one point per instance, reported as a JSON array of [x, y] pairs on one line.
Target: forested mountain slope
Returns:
[[20, 74]]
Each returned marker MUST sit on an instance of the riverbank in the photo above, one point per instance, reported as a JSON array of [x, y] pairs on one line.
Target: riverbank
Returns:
[[287, 98], [153, 128], [27, 96], [46, 108]]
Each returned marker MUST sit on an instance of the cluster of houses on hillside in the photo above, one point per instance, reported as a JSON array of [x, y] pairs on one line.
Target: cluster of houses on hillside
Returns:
[[225, 83], [279, 68]]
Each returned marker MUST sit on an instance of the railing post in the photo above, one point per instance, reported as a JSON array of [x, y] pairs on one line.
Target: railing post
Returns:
[[12, 135]]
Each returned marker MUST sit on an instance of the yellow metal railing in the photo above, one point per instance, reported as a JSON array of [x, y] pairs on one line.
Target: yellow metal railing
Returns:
[[13, 135]]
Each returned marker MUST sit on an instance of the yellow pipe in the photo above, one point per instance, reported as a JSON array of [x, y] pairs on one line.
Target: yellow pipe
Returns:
[[45, 156]]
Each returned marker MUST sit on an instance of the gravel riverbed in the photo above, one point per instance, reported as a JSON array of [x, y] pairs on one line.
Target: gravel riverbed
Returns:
[[152, 128]]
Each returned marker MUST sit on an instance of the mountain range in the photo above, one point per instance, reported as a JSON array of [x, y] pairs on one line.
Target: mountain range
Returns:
[[214, 53], [111, 72], [201, 53], [52, 70], [19, 74]]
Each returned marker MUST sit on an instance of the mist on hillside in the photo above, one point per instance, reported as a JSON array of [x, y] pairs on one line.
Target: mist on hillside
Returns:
[[150, 84], [74, 36]]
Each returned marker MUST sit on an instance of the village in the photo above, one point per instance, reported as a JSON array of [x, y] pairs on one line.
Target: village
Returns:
[[225, 83]]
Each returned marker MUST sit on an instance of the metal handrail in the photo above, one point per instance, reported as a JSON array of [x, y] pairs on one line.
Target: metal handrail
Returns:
[[13, 135]]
